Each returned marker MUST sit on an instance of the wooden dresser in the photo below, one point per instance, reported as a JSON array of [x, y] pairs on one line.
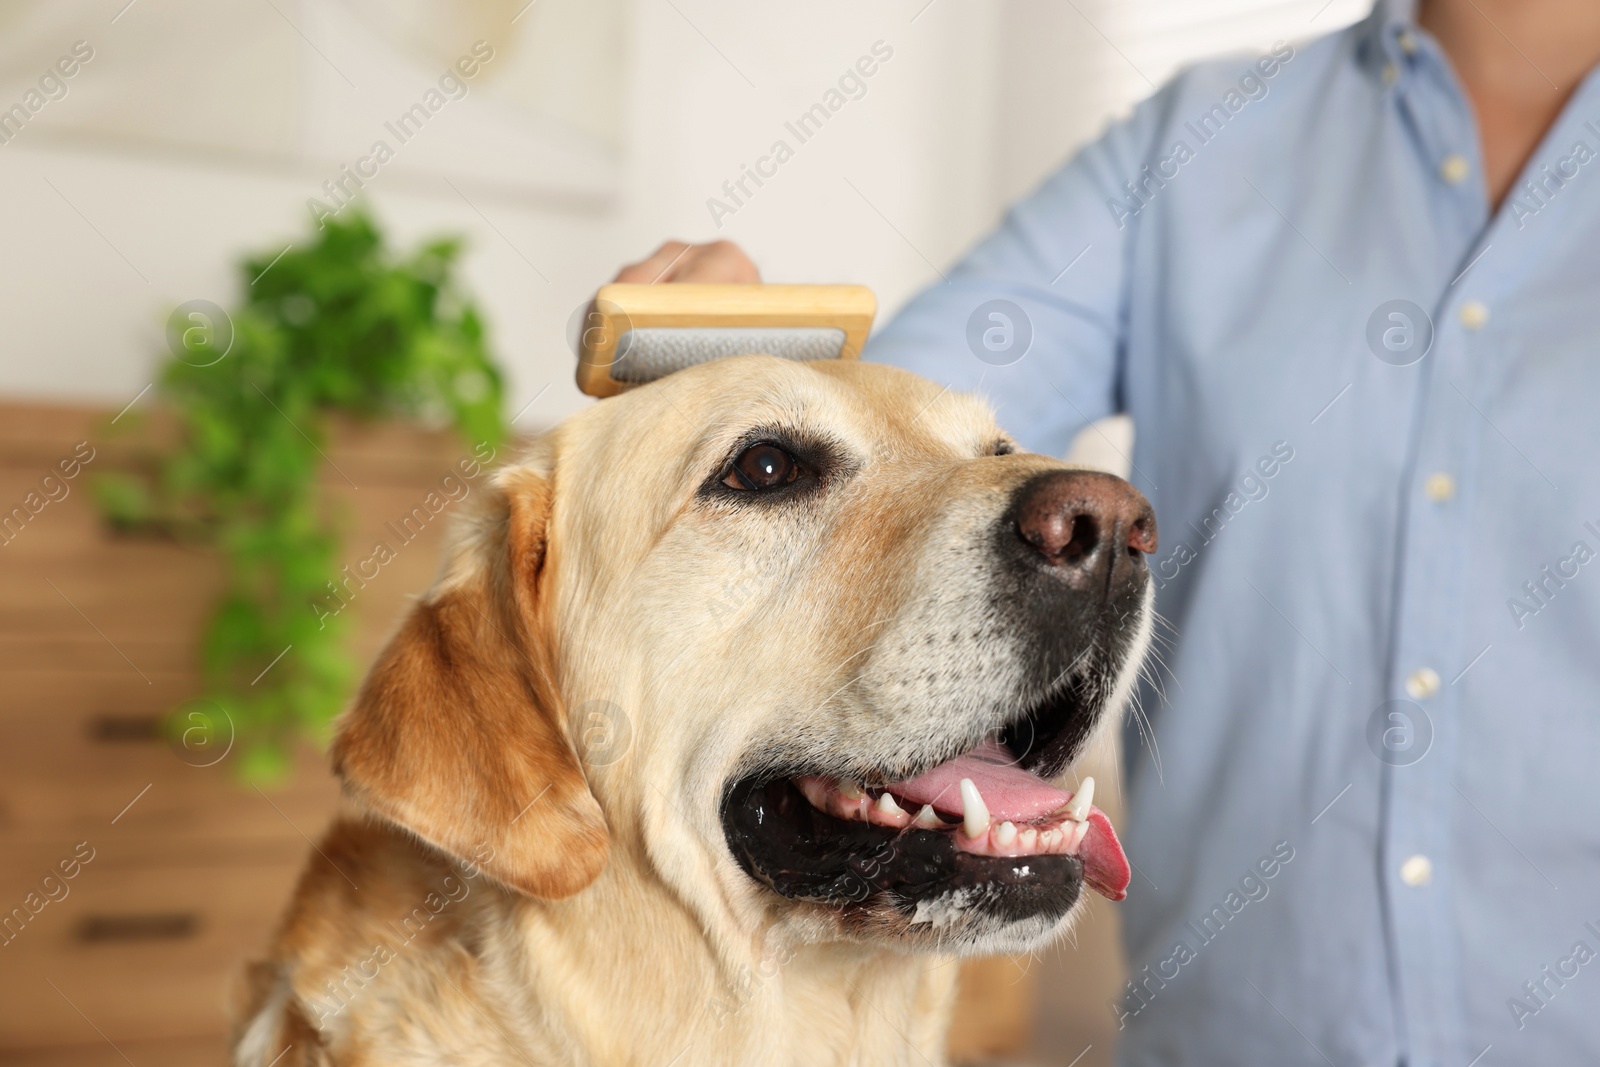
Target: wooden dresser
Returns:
[[135, 957]]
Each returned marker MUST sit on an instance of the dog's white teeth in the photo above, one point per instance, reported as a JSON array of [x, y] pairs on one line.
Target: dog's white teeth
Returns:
[[887, 805], [1005, 834], [974, 813], [1029, 839], [1078, 810], [1075, 837], [926, 818], [1049, 839], [850, 791]]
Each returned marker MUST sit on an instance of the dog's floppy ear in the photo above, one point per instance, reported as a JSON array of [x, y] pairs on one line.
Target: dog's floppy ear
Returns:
[[457, 733]]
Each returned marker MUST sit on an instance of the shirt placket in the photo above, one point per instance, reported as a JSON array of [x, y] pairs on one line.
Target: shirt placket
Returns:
[[1418, 865]]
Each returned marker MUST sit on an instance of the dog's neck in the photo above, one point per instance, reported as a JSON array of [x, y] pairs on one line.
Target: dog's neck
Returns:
[[723, 999], [435, 962]]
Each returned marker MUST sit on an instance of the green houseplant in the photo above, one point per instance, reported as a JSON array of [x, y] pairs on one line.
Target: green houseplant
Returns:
[[340, 325]]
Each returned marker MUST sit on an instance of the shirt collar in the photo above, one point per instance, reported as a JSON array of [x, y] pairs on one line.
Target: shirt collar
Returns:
[[1388, 39]]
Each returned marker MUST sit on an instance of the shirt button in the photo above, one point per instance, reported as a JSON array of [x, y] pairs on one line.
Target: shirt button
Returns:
[[1423, 683], [1417, 871], [1455, 168], [1440, 487], [1390, 73], [1474, 315], [1407, 41]]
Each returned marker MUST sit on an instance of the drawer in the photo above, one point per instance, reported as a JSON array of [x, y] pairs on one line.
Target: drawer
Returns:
[[191, 870], [134, 587], [208, 1051], [76, 750], [131, 661], [142, 950], [120, 590]]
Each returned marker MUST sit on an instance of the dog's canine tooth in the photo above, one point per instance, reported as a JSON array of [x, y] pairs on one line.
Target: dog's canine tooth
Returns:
[[850, 790], [974, 813], [926, 819], [1078, 810], [1005, 834], [887, 805]]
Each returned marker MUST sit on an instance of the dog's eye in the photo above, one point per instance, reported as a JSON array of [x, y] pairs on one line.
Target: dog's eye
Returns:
[[762, 466]]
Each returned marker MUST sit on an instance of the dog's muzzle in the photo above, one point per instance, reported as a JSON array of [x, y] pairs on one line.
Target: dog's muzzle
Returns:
[[984, 838]]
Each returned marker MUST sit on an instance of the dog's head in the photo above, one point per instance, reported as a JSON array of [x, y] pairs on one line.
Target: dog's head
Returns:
[[807, 640]]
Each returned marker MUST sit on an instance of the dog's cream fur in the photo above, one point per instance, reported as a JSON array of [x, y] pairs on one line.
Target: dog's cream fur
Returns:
[[530, 866]]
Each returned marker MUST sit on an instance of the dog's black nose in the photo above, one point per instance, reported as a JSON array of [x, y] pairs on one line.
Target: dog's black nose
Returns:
[[1085, 523]]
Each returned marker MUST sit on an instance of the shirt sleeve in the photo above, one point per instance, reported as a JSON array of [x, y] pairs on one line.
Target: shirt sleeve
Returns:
[[1034, 317]]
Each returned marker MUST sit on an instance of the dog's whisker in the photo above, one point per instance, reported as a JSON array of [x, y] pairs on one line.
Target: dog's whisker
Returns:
[[850, 659], [1147, 734]]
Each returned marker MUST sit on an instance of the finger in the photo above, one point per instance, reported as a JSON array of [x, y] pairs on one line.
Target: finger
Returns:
[[673, 270], [721, 262], [729, 263], [651, 268]]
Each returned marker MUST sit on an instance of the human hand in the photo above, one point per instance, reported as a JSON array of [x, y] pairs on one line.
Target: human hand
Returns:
[[675, 261]]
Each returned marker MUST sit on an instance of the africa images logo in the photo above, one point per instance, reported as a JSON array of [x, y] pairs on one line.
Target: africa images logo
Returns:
[[851, 85], [1204, 128]]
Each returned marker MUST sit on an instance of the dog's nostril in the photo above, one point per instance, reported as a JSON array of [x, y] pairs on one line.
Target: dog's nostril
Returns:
[[1063, 536], [1142, 537], [1084, 540], [1068, 516]]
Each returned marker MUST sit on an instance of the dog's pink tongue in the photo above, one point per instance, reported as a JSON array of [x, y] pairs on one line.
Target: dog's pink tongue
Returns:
[[1011, 793], [1105, 865]]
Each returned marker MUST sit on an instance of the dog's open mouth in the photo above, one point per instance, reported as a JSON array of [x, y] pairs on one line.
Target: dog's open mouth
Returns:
[[979, 829], [989, 806]]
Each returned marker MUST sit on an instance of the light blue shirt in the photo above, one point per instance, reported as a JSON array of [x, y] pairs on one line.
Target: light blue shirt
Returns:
[[1372, 835]]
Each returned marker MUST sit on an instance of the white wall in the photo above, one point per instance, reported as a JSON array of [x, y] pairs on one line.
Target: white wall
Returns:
[[977, 103], [99, 246]]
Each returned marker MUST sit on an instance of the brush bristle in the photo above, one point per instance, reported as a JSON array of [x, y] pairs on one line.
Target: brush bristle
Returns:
[[647, 353]]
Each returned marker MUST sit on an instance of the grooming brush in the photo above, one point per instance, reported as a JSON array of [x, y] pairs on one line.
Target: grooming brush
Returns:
[[634, 334]]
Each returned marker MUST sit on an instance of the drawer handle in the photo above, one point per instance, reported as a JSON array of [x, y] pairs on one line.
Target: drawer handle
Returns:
[[121, 729], [156, 926]]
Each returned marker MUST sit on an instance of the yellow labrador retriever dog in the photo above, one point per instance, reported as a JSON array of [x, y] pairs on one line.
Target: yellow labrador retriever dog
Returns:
[[731, 717]]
